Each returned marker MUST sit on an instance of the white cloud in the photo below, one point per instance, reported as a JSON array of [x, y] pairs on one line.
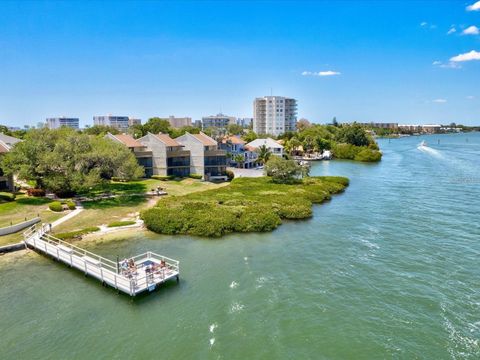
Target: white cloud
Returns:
[[471, 30], [474, 7], [320, 73], [423, 24], [449, 65], [439, 101], [452, 30], [470, 97], [426, 25], [472, 55], [436, 62]]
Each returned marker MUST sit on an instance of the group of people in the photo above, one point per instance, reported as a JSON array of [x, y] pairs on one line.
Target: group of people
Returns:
[[128, 267]]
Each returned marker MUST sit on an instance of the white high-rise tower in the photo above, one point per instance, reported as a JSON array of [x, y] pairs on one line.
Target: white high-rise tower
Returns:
[[274, 115]]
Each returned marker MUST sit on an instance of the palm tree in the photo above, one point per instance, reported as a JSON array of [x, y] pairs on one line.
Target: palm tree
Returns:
[[264, 154], [239, 159]]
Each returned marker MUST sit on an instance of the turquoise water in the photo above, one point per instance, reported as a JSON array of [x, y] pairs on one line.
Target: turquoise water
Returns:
[[389, 269]]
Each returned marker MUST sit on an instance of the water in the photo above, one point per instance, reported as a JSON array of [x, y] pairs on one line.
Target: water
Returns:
[[389, 269]]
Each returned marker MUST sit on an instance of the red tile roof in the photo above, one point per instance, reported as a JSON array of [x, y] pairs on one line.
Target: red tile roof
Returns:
[[205, 139], [128, 140], [237, 140], [167, 140]]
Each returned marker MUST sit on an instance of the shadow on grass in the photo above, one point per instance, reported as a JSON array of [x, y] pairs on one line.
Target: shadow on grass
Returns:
[[33, 201], [120, 201], [117, 189]]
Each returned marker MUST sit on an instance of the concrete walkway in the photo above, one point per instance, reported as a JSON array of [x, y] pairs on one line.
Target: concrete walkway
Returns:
[[67, 217], [246, 172]]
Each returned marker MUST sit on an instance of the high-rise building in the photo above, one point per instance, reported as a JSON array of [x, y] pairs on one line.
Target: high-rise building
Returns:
[[133, 121], [274, 115], [118, 122], [244, 122], [58, 122], [218, 121], [178, 122]]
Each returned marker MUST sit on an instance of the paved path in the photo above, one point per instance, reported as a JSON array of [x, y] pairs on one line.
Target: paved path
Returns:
[[246, 172], [67, 217]]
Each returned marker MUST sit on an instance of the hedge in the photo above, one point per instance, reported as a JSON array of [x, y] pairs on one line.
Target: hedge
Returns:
[[77, 233], [121, 223], [56, 206], [4, 196], [71, 205], [163, 177], [196, 176]]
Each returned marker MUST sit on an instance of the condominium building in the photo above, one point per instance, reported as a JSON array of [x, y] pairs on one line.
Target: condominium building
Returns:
[[244, 122], [380, 125], [206, 158], [133, 121], [169, 158], [274, 115], [142, 153], [218, 121], [178, 122], [58, 122], [120, 123], [6, 144]]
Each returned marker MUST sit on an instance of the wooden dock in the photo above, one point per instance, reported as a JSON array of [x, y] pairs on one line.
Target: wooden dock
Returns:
[[146, 272]]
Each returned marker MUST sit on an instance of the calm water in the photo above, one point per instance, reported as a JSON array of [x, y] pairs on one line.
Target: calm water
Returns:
[[389, 269]]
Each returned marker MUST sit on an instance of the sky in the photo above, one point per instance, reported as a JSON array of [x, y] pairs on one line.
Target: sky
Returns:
[[405, 62]]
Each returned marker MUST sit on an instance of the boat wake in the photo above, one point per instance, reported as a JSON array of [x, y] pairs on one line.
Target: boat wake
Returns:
[[430, 151]]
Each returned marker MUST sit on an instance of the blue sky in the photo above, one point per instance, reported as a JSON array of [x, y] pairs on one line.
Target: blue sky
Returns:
[[194, 59]]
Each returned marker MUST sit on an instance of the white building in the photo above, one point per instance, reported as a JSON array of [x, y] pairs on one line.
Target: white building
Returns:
[[178, 122], [218, 121], [274, 115], [274, 147], [58, 122], [134, 121], [120, 123], [244, 122]]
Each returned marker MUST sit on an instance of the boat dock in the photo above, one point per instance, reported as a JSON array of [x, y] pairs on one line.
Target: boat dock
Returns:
[[141, 273]]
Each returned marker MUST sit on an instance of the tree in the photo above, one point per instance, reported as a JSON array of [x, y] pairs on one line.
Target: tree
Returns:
[[264, 154], [334, 121], [283, 171], [234, 129], [137, 131], [302, 124], [239, 159], [353, 134], [250, 136], [66, 162], [157, 125], [100, 130]]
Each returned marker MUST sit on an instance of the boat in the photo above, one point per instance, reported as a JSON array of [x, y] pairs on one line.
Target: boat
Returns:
[[423, 143]]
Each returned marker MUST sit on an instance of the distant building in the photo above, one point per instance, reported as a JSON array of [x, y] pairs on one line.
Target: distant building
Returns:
[[206, 158], [141, 152], [120, 123], [197, 124], [58, 122], [431, 129], [178, 122], [244, 122], [380, 125], [274, 147], [133, 121], [6, 144], [218, 121], [234, 145], [274, 115]]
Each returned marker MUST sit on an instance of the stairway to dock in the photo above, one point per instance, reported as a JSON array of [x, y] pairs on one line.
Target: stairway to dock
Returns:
[[140, 273]]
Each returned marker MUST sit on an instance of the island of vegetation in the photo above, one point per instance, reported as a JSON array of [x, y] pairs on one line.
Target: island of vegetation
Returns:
[[247, 205]]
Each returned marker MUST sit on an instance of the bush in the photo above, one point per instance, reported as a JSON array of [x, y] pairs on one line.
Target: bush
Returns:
[[71, 205], [77, 233], [35, 192], [163, 177], [56, 206], [230, 175], [196, 176], [121, 223], [7, 197], [283, 171], [368, 155], [118, 179]]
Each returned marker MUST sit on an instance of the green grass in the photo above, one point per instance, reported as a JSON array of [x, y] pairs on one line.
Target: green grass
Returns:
[[248, 204], [121, 223], [26, 208], [77, 233]]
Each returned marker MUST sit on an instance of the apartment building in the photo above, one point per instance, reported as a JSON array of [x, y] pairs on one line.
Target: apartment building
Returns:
[[206, 158], [120, 123], [244, 122], [169, 158], [58, 122], [178, 122], [274, 115], [218, 121], [6, 144], [133, 121], [142, 153], [274, 147], [380, 125], [234, 145]]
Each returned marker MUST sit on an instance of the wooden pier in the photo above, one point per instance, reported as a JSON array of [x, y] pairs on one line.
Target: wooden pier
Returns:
[[145, 273]]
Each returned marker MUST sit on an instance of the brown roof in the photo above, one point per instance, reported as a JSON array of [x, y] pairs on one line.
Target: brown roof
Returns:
[[167, 140], [249, 148], [4, 148], [234, 140], [128, 140], [205, 139]]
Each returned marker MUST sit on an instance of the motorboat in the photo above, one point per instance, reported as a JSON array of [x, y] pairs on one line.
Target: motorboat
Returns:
[[423, 143]]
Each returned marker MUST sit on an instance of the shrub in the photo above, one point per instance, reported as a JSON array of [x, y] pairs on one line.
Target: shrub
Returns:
[[230, 175], [120, 223], [196, 176], [7, 197], [163, 177], [71, 205], [283, 171], [368, 155], [118, 179], [56, 206], [35, 192], [344, 151], [77, 233]]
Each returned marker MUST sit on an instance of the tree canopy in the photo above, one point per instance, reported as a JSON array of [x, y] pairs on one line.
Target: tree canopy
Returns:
[[284, 171], [65, 161]]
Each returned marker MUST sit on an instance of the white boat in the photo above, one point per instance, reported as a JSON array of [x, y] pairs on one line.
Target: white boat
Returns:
[[423, 143]]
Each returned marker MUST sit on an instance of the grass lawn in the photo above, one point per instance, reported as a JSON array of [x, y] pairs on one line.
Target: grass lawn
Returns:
[[247, 205], [127, 205]]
